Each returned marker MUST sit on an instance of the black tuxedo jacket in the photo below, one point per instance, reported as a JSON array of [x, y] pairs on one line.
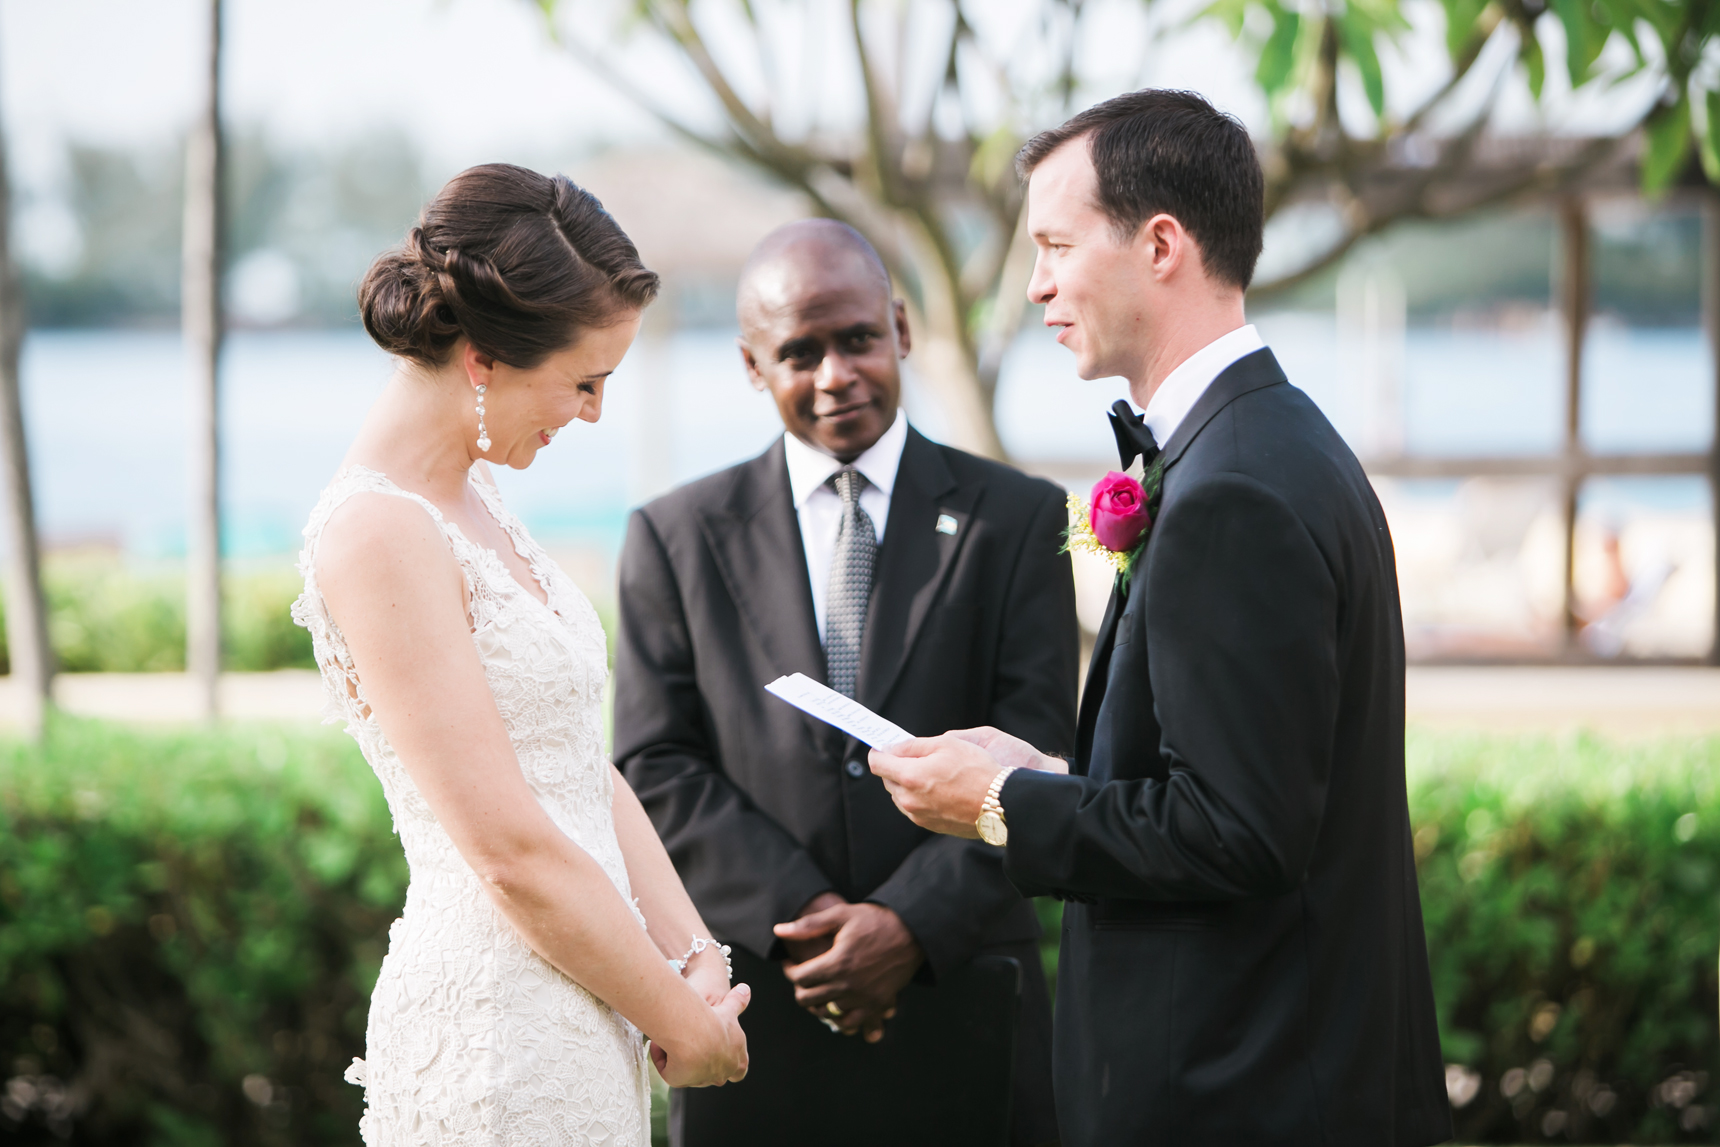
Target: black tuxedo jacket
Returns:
[[762, 807], [1244, 960]]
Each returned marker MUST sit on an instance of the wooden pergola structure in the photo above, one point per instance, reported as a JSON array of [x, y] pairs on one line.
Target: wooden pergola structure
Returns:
[[1574, 464]]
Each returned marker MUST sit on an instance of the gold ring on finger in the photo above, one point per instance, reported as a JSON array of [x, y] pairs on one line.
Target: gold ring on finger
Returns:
[[833, 1009]]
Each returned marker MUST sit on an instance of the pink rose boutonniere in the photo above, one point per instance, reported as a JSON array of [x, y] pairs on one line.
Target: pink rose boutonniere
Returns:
[[1118, 513], [1115, 520]]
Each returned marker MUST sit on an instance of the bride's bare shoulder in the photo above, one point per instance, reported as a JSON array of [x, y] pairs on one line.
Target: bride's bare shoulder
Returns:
[[382, 539]]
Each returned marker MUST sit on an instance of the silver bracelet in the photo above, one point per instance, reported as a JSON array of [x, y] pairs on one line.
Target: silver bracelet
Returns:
[[699, 945]]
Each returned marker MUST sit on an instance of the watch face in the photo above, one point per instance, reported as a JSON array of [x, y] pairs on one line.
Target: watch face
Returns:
[[992, 830]]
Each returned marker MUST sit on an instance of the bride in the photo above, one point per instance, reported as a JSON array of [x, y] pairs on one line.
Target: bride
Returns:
[[544, 927]]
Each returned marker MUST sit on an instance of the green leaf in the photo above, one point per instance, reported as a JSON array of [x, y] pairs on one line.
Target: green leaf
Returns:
[[1229, 12], [1278, 57], [1535, 63], [1357, 34], [1584, 37], [1711, 137], [1668, 132], [1460, 20]]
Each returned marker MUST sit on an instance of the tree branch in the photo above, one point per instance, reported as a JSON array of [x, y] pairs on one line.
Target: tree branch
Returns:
[[877, 146], [1538, 178]]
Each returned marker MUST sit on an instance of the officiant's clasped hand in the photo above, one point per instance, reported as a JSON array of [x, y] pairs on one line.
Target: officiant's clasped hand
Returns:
[[847, 963]]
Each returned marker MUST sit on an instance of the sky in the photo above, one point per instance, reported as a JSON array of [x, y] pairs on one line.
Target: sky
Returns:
[[474, 80], [466, 79]]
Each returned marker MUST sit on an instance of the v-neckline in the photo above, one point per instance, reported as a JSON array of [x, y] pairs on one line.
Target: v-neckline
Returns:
[[514, 544]]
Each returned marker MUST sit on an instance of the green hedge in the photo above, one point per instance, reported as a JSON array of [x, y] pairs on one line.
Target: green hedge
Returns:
[[106, 616], [109, 616], [190, 924], [1572, 897]]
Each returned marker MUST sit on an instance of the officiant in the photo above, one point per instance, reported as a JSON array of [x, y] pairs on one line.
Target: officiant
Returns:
[[927, 584]]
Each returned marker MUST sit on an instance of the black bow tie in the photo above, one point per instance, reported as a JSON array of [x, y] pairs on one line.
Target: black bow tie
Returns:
[[1134, 439]]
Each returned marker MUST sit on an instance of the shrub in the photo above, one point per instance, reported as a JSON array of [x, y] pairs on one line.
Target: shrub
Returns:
[[1570, 890], [105, 616], [190, 925]]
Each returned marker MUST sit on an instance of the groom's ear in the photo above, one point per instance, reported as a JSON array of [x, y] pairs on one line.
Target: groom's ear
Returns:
[[1167, 246], [904, 339]]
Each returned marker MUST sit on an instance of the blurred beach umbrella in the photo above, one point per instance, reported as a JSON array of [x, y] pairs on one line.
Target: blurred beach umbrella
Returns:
[[918, 157], [26, 616], [201, 319]]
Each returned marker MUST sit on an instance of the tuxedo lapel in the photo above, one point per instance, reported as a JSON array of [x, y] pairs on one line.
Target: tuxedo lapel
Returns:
[[1098, 669], [1248, 373], [755, 538], [927, 526]]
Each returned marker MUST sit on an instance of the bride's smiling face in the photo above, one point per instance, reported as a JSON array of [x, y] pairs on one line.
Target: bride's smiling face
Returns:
[[525, 408]]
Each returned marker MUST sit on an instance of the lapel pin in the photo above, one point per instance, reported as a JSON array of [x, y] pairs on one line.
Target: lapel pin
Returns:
[[946, 524]]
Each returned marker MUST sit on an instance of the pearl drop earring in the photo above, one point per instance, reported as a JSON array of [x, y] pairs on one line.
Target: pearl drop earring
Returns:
[[483, 435]]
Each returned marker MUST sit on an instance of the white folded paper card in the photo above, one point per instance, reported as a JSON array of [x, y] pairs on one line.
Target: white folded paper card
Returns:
[[833, 708]]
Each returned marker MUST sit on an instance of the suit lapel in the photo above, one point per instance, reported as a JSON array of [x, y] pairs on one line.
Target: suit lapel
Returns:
[[913, 562], [755, 538]]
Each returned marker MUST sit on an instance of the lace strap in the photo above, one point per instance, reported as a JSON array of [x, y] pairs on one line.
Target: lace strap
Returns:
[[346, 692]]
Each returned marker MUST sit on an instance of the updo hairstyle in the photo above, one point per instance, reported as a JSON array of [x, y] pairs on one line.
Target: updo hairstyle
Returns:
[[514, 261]]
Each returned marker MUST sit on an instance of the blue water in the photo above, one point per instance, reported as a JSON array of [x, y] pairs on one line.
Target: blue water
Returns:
[[106, 414]]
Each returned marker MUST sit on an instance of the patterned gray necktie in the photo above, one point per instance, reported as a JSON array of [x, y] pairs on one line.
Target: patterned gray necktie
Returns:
[[850, 584]]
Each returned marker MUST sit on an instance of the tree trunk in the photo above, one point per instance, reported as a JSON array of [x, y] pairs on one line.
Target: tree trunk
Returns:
[[948, 361], [26, 621], [201, 322]]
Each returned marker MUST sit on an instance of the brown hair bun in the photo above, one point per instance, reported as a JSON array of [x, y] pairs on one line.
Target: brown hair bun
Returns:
[[514, 261]]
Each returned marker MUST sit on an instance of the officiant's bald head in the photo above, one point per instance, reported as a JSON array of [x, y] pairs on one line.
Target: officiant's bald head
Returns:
[[821, 332]]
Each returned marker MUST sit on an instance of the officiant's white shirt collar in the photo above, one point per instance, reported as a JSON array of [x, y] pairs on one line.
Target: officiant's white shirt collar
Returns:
[[809, 469], [1183, 386]]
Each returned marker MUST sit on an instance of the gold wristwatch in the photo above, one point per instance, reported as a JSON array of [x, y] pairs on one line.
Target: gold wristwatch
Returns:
[[993, 829]]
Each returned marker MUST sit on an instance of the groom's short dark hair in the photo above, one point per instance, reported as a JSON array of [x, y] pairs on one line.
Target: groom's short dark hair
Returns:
[[1158, 150]]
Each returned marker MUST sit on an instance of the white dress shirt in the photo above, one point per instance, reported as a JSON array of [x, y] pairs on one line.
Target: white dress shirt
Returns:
[[1183, 386], [819, 507]]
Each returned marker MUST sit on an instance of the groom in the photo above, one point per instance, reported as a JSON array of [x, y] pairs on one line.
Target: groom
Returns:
[[1243, 958]]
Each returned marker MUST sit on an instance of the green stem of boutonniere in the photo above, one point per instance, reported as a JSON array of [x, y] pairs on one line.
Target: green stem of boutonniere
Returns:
[[1153, 486]]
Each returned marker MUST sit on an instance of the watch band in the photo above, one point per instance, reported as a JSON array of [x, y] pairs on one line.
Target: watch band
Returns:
[[992, 802]]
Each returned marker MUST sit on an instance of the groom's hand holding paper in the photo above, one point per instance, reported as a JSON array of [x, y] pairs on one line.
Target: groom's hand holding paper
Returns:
[[939, 783]]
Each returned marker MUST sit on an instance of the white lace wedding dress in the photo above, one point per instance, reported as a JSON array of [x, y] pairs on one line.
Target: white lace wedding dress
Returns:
[[473, 1038]]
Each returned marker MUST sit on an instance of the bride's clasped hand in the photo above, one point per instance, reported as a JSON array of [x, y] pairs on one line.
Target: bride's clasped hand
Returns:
[[709, 1054]]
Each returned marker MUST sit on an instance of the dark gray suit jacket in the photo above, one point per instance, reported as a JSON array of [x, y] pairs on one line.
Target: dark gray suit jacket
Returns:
[[762, 808], [1244, 960]]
